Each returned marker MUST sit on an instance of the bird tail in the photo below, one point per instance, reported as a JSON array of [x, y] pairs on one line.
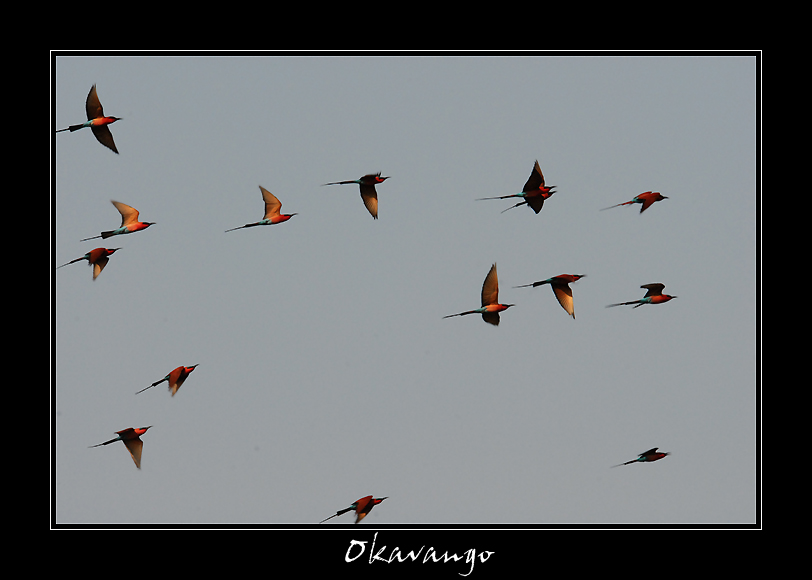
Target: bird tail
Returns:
[[461, 313], [618, 205], [105, 443], [71, 262], [498, 197], [624, 304], [72, 128], [511, 207], [91, 238], [339, 183], [152, 385]]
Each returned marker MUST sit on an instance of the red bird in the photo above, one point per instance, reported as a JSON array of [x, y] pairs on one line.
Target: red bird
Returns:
[[561, 288], [362, 507], [131, 438], [490, 300], [646, 198], [273, 212], [175, 379], [369, 194], [96, 121], [534, 191], [97, 258], [654, 295], [129, 222], [646, 457]]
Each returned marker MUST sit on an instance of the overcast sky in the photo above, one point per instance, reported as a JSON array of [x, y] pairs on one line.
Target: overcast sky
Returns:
[[327, 372]]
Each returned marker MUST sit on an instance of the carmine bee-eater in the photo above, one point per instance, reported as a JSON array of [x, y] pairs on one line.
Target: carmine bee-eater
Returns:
[[561, 288], [97, 258], [490, 300], [368, 193], [131, 438], [645, 457], [129, 222], [362, 507], [273, 214], [96, 120], [646, 199], [654, 295], [533, 193], [175, 379]]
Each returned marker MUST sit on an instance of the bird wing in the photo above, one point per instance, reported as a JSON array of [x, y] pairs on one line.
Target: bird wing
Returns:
[[535, 180], [535, 202], [134, 446], [655, 289], [99, 265], [129, 215], [104, 136], [491, 318], [272, 204], [564, 294], [649, 452], [490, 288], [648, 199], [370, 198], [93, 107]]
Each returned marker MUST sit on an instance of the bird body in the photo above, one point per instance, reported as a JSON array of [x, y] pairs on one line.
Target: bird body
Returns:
[[273, 214], [97, 258], [175, 379], [534, 192], [645, 199], [129, 222], [646, 457], [654, 295], [491, 307], [369, 194], [132, 440], [97, 121], [561, 288], [362, 507]]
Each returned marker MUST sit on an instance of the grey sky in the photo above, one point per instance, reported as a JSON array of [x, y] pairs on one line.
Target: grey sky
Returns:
[[326, 370]]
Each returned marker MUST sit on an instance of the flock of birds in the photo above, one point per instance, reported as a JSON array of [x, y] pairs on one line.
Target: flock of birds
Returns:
[[533, 194]]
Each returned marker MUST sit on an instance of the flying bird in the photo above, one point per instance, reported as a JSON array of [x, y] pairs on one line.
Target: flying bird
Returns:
[[129, 222], [533, 193], [645, 457], [561, 288], [646, 199], [362, 507], [175, 379], [368, 193], [273, 214], [96, 120], [97, 258], [131, 438], [654, 295], [490, 300]]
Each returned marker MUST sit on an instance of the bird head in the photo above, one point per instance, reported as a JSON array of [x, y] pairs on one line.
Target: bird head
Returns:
[[111, 251], [380, 179]]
